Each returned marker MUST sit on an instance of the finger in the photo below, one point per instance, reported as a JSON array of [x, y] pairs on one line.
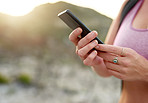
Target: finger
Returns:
[[111, 49], [88, 38], [77, 50], [116, 74], [74, 35], [113, 67], [110, 57], [88, 61], [83, 51], [82, 57]]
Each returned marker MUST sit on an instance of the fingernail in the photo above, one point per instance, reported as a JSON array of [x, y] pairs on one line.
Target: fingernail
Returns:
[[94, 32], [95, 42], [95, 52], [78, 30], [97, 47]]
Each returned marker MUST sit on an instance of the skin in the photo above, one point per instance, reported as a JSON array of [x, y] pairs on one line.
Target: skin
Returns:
[[132, 68], [132, 65], [84, 51]]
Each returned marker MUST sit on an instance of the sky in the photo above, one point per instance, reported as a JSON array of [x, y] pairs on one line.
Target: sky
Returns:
[[109, 8]]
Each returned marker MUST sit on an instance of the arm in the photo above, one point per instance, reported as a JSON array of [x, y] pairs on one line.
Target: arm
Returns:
[[114, 27]]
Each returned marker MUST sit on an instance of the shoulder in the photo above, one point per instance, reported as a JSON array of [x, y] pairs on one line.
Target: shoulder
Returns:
[[114, 26], [124, 3]]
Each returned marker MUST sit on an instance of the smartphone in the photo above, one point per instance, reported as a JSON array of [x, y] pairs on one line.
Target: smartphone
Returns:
[[73, 22]]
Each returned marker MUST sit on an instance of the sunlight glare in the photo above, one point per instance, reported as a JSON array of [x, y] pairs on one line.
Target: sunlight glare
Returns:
[[22, 7], [17, 7]]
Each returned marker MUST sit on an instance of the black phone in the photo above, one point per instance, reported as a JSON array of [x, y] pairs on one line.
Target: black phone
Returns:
[[73, 22]]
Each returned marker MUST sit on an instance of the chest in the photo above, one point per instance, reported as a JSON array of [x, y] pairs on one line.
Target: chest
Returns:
[[133, 32]]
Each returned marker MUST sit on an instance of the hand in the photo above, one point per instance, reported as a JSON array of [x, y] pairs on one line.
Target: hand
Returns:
[[84, 49], [130, 65]]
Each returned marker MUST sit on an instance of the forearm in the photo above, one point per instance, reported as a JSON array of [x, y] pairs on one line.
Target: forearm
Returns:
[[112, 32]]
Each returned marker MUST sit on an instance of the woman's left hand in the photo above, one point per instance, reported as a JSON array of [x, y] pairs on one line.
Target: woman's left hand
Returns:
[[124, 63]]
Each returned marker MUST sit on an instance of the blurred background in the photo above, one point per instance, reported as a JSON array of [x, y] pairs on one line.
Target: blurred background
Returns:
[[38, 63]]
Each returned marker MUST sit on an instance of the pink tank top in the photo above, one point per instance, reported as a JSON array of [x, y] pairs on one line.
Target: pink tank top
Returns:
[[127, 36]]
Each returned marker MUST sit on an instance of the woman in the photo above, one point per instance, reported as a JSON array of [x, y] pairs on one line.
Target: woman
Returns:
[[125, 54]]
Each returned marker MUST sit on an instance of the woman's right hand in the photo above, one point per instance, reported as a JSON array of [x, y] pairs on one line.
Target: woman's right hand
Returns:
[[84, 49]]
